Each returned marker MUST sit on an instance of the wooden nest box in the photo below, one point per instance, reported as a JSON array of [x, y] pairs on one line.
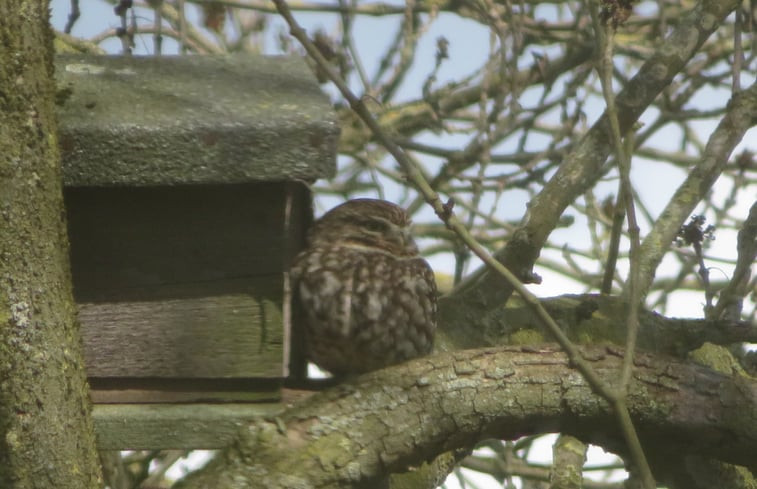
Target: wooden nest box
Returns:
[[184, 197]]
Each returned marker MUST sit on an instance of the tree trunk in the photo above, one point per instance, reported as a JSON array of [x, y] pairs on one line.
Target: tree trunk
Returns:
[[46, 434]]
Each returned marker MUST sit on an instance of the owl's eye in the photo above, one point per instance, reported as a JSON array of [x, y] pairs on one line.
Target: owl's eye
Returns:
[[376, 226]]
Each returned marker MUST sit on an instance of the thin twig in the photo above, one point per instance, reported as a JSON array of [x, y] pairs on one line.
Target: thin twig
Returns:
[[738, 51], [348, 44], [182, 27], [73, 16], [158, 36], [618, 217], [747, 252], [605, 32]]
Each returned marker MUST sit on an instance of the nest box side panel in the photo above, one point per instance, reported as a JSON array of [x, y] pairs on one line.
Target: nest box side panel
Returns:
[[180, 282]]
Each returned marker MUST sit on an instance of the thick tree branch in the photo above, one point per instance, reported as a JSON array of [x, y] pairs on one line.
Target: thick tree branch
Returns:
[[400, 417], [739, 117], [733, 293], [594, 319]]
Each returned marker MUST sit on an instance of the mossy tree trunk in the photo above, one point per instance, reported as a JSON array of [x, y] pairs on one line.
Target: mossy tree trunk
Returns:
[[46, 434]]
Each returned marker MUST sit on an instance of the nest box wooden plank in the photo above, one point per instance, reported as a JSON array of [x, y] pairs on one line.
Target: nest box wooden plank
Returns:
[[184, 198]]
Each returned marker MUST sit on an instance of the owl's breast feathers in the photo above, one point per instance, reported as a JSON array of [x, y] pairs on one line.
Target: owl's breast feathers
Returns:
[[364, 308]]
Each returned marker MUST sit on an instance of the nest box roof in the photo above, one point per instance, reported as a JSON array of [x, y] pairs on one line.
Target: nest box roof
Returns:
[[138, 121]]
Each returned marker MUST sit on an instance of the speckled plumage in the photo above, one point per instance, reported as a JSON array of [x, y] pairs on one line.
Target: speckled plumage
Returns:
[[367, 298]]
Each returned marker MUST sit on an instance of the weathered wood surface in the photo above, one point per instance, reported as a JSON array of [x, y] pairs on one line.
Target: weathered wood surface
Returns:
[[165, 426], [131, 244], [184, 282], [208, 337], [171, 120]]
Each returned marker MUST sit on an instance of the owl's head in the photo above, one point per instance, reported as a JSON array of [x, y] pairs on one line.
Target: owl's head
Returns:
[[370, 223]]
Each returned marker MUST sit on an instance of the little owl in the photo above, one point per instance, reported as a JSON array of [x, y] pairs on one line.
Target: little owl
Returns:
[[367, 298]]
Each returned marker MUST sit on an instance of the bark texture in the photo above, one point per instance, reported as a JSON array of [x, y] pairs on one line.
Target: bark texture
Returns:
[[399, 417], [46, 435]]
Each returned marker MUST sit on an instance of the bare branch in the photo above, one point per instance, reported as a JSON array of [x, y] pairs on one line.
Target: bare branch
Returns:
[[740, 116], [583, 166]]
